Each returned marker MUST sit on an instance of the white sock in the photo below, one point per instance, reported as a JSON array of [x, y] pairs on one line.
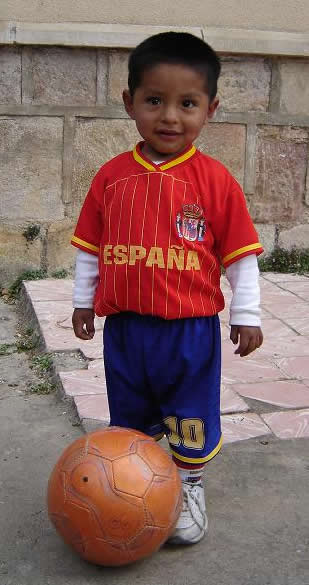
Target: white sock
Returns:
[[191, 475]]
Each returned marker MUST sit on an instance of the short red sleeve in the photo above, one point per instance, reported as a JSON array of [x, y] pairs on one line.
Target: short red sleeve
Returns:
[[88, 231], [233, 227]]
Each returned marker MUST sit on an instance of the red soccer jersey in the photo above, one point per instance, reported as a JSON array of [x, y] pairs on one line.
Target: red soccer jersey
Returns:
[[162, 232]]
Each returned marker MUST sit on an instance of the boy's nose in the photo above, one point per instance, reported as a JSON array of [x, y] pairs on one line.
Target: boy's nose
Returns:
[[169, 114]]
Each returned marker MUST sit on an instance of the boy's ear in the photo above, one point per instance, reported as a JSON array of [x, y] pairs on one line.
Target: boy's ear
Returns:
[[128, 103], [212, 108]]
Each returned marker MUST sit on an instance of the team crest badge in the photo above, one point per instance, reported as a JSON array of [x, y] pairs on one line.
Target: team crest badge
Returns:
[[191, 223]]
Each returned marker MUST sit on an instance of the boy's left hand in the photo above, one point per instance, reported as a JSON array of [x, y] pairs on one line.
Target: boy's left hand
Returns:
[[249, 338]]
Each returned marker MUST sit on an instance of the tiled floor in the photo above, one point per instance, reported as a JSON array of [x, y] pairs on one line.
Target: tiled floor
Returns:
[[276, 376]]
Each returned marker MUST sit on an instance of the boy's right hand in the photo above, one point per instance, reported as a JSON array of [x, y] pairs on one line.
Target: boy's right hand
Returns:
[[83, 323]]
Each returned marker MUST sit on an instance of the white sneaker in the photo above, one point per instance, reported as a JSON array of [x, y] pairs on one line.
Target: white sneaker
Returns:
[[192, 523]]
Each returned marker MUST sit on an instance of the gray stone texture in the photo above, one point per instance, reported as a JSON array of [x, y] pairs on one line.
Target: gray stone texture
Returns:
[[244, 85], [16, 253], [60, 254], [297, 236], [267, 234], [280, 174], [31, 169], [62, 76], [47, 165], [96, 142], [10, 75], [102, 77], [225, 142], [118, 75], [294, 82]]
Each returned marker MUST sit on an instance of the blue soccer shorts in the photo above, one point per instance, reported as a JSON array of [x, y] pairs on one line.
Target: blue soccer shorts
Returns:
[[163, 377]]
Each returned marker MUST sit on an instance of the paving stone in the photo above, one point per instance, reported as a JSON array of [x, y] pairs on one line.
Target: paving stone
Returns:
[[300, 325], [99, 363], [247, 369], [276, 375], [296, 366], [283, 279], [285, 394], [55, 324], [238, 427], [276, 331], [50, 289], [286, 347], [288, 425], [286, 307], [231, 401], [265, 315], [93, 407], [301, 289], [225, 333], [83, 382]]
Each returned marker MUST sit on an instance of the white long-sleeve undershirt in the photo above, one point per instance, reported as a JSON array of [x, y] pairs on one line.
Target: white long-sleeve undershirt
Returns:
[[242, 275], [86, 280]]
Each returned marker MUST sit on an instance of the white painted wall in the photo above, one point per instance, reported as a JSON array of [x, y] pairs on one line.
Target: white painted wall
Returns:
[[277, 15]]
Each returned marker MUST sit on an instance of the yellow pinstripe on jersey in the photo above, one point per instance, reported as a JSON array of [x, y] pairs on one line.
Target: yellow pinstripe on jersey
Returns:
[[162, 231]]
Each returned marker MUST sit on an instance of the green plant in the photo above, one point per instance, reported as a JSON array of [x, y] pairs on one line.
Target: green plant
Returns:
[[281, 260], [42, 363], [14, 288], [43, 387], [7, 348], [62, 273], [25, 344], [31, 232], [29, 331], [26, 340]]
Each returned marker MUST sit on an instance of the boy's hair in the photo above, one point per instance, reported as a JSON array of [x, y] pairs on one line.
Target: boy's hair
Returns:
[[175, 48]]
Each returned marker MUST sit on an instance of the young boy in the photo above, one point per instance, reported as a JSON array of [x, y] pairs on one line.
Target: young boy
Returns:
[[155, 228]]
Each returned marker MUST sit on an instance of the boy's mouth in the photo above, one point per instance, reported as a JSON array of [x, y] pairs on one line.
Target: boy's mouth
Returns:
[[168, 134]]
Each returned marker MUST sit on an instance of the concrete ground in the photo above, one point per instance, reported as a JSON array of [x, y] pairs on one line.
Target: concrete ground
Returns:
[[257, 494]]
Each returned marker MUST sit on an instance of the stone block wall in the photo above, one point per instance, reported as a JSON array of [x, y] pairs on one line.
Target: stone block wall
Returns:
[[61, 118]]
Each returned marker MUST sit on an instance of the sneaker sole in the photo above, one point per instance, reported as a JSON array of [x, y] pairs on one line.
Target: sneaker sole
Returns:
[[179, 540]]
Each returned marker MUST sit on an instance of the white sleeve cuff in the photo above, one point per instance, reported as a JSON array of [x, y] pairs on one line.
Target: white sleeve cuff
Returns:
[[86, 280], [243, 277]]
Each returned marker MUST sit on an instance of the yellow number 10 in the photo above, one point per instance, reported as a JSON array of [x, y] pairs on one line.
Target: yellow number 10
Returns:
[[188, 432]]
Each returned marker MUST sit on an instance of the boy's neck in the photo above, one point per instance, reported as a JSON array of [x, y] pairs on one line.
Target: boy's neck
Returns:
[[157, 157]]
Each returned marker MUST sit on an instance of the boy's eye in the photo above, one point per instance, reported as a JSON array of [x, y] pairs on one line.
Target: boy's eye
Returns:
[[154, 101], [188, 104]]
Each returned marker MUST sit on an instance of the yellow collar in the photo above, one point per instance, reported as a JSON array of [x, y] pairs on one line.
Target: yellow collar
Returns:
[[151, 166]]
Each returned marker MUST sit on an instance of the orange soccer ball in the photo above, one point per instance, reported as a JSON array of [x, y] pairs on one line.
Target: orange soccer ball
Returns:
[[114, 496]]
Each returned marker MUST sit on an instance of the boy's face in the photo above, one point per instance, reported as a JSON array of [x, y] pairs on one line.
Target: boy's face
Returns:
[[170, 107]]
